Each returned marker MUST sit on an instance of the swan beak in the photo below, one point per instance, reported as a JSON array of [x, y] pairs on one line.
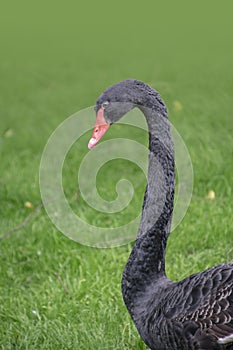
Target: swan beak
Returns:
[[100, 128]]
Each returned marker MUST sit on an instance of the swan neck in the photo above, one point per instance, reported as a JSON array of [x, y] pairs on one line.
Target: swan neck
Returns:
[[159, 195], [146, 264]]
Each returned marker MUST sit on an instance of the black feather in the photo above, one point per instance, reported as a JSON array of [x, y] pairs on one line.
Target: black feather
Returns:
[[193, 314]]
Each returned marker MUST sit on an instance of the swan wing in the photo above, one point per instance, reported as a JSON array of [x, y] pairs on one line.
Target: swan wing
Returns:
[[205, 303]]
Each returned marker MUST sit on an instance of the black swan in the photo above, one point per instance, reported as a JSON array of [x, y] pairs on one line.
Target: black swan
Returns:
[[196, 313]]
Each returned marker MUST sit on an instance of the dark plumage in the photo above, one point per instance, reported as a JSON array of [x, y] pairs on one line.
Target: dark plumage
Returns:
[[196, 313]]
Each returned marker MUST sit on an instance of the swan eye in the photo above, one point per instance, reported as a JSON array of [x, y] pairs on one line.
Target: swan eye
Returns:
[[104, 104]]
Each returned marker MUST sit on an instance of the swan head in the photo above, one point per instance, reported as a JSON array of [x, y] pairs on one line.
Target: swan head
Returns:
[[111, 105]]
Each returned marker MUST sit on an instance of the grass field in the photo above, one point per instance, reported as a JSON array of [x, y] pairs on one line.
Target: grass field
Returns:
[[55, 60]]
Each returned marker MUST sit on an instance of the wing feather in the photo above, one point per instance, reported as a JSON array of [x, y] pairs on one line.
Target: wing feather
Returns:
[[210, 304]]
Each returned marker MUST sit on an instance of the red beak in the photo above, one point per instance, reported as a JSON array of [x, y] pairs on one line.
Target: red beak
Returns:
[[100, 128]]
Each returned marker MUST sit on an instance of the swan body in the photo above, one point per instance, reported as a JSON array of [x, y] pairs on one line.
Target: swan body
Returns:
[[197, 312]]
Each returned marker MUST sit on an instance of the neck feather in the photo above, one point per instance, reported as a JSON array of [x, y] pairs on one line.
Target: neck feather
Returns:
[[146, 263]]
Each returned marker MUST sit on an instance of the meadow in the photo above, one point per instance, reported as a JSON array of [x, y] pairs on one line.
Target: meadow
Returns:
[[55, 60]]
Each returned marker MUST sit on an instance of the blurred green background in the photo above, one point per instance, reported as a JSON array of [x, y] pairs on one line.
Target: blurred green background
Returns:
[[56, 58]]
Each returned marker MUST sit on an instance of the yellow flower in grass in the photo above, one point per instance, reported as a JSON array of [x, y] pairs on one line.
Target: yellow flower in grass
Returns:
[[28, 205], [211, 195], [8, 133], [177, 106]]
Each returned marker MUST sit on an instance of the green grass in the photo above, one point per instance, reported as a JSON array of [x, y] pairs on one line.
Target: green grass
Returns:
[[55, 60]]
